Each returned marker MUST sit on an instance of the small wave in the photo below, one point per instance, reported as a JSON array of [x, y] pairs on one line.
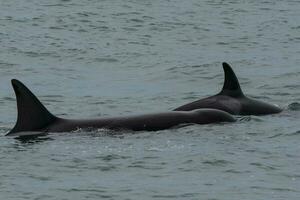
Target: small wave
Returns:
[[111, 157], [288, 74], [295, 27], [109, 60], [145, 166], [249, 118], [192, 68], [105, 168], [41, 178], [295, 106], [253, 133], [244, 119], [86, 190], [100, 132], [291, 86], [55, 5], [276, 135], [154, 149], [233, 171], [9, 99], [294, 133], [265, 167], [7, 64], [274, 189], [137, 20], [166, 196], [217, 162], [33, 140], [174, 196], [34, 54]]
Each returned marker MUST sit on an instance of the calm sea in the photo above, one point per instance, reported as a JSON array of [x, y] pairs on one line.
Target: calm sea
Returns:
[[93, 58]]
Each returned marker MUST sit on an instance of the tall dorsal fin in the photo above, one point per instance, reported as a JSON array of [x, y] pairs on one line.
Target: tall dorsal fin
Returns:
[[32, 115], [231, 85]]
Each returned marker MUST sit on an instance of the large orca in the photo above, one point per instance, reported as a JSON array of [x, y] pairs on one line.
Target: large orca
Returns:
[[232, 99], [34, 117]]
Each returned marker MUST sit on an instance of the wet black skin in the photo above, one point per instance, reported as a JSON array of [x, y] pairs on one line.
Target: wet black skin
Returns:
[[232, 100], [34, 117]]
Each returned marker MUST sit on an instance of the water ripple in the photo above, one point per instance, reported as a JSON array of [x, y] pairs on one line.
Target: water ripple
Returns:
[[140, 55], [294, 106], [296, 133], [265, 167], [217, 162]]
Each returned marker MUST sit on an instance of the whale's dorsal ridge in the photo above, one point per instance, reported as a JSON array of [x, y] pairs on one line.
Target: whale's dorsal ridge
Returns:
[[32, 115], [231, 85], [35, 120], [232, 99]]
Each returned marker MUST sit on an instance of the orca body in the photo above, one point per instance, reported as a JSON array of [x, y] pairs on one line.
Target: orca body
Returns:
[[232, 99], [34, 117]]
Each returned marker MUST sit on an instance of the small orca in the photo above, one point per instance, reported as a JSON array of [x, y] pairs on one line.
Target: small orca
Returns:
[[232, 99], [34, 118]]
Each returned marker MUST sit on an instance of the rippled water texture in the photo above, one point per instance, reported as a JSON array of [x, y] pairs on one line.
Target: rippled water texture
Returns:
[[106, 58]]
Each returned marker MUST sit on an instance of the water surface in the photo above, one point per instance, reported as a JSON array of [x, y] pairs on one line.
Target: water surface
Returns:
[[108, 58]]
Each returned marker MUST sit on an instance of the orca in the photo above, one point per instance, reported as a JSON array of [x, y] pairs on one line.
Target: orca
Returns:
[[232, 99], [33, 117]]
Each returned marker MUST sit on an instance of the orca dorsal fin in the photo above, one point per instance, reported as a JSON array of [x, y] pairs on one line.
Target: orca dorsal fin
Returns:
[[231, 85], [32, 115]]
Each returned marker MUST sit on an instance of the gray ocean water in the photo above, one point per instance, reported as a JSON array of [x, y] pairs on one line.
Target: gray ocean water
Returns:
[[92, 58]]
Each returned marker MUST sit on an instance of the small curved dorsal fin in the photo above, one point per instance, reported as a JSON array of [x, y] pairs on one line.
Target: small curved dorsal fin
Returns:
[[231, 85], [32, 115]]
